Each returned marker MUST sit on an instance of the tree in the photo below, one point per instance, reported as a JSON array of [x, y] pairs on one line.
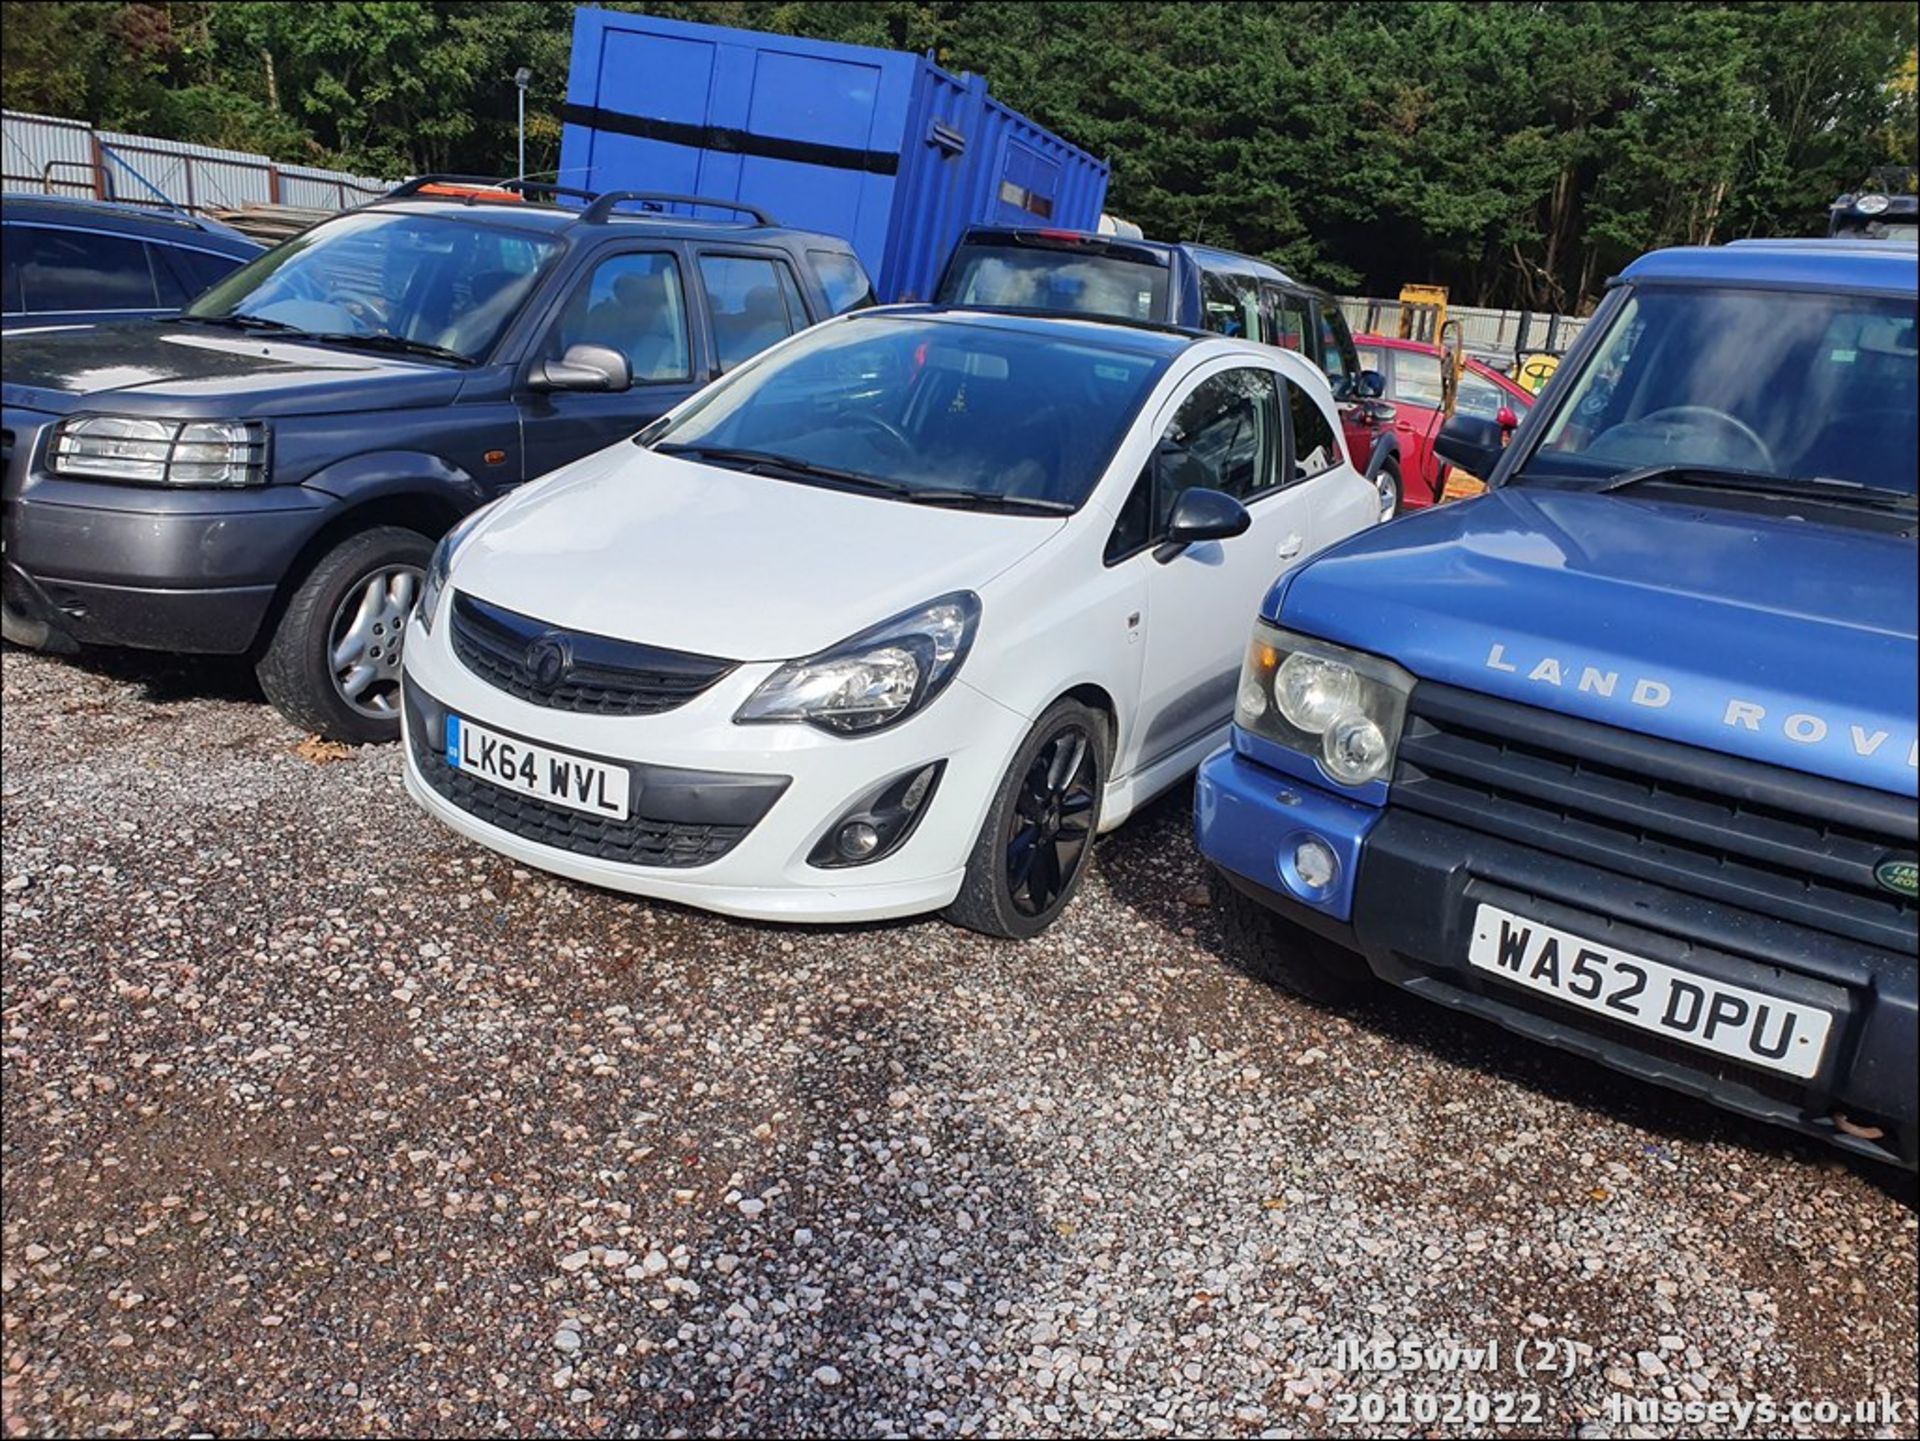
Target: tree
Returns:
[[1517, 152]]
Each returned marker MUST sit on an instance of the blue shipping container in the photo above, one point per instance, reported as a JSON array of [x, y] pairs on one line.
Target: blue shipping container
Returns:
[[882, 147]]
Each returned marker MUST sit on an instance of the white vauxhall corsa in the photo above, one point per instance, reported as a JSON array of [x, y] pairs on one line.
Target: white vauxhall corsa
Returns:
[[892, 619]]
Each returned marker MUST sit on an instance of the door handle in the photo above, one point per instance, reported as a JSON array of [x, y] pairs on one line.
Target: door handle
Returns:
[[1290, 547]]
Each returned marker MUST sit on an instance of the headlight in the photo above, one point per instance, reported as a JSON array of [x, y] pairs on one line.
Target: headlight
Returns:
[[161, 452], [876, 678], [441, 566], [1343, 707]]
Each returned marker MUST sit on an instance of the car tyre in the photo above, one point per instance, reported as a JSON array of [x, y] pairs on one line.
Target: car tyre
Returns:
[[1035, 844], [1387, 486], [1289, 956], [332, 665]]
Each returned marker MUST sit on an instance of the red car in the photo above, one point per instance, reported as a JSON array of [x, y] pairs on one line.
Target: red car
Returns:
[[1410, 407]]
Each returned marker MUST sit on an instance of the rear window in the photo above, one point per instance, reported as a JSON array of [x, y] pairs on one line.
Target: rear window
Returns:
[[844, 280], [76, 270], [1077, 282]]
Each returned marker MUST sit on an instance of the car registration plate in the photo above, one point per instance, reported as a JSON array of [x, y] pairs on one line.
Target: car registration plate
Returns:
[[1751, 1026], [558, 777]]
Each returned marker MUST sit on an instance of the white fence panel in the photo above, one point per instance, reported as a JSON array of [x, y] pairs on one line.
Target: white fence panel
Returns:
[[46, 155], [49, 155]]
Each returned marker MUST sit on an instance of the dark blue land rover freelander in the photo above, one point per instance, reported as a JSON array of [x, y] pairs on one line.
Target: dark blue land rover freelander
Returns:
[[266, 474], [1622, 754]]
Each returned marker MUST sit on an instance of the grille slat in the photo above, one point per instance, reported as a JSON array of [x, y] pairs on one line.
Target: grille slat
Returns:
[[605, 676], [1703, 824]]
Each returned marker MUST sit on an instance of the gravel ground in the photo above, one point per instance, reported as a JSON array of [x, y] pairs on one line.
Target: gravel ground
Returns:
[[318, 1120]]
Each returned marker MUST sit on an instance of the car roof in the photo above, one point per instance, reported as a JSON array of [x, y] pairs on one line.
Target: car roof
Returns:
[[557, 218], [151, 221], [1877, 266], [1141, 338], [1229, 261]]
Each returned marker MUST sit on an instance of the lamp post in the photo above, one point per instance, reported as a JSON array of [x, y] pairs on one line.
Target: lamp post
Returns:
[[520, 79]]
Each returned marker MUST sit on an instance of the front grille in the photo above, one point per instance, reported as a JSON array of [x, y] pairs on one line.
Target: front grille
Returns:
[[1796, 847], [600, 675], [636, 841]]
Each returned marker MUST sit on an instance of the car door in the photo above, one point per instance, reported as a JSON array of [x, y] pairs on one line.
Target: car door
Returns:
[[1342, 364], [1332, 499], [1415, 391], [1225, 430], [633, 299], [753, 300]]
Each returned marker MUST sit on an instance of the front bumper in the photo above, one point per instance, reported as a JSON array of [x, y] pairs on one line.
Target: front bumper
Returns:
[[91, 563], [1417, 881], [762, 871]]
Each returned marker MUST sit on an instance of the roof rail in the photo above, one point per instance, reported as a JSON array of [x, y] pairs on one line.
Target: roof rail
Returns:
[[598, 212]]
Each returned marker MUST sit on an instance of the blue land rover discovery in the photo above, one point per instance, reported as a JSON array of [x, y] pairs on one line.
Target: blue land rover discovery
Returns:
[[1622, 754]]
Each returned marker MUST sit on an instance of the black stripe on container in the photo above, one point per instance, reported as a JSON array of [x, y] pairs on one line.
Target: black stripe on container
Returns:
[[733, 142]]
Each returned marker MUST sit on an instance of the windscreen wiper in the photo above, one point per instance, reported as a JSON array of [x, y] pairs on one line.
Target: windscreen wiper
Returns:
[[760, 462], [395, 344], [988, 500], [243, 322], [1755, 482]]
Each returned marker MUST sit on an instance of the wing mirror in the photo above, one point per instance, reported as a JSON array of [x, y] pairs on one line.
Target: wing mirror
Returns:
[[1508, 419], [1201, 514], [1372, 384], [1472, 442], [584, 367]]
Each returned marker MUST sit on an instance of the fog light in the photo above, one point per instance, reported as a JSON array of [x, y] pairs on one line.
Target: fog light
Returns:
[[880, 822], [1315, 864], [857, 840]]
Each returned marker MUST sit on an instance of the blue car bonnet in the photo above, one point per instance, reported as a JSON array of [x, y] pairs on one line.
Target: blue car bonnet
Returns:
[[1776, 639]]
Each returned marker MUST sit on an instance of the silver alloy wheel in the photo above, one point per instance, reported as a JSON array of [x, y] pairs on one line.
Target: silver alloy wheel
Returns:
[[365, 639], [1389, 492]]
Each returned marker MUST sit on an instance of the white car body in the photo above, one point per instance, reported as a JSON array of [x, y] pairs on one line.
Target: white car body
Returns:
[[699, 558]]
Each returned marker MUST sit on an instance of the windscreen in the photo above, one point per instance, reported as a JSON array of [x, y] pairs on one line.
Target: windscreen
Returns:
[[927, 406], [1129, 285], [438, 282], [1791, 386]]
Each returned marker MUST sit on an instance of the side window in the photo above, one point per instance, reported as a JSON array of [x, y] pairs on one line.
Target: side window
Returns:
[[1315, 450], [1416, 378], [82, 270], [1230, 304], [633, 303], [1481, 397], [1287, 319], [167, 286], [202, 269], [1335, 344], [842, 277], [751, 302], [10, 270], [1225, 437]]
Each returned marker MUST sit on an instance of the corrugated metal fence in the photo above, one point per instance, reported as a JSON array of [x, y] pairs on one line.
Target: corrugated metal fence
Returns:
[[1482, 330], [69, 157]]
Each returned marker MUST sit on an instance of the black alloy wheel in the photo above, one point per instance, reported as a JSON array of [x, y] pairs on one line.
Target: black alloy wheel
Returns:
[[1052, 821], [1033, 847]]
